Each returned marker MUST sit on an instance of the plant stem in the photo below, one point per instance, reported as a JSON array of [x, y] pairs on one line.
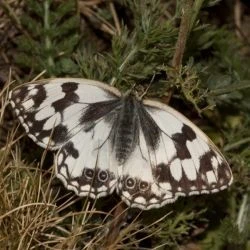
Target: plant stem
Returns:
[[183, 34], [120, 215], [122, 66], [47, 37], [237, 144]]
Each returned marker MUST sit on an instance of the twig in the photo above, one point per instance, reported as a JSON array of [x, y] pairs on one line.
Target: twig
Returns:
[[237, 17], [13, 17], [120, 214], [182, 39], [236, 144], [183, 34], [96, 19], [125, 61], [115, 17]]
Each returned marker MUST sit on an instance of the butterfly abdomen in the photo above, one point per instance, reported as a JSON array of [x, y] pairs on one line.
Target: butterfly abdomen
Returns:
[[126, 130]]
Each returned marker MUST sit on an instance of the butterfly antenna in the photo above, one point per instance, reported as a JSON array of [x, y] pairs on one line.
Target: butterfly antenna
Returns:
[[145, 92], [130, 90]]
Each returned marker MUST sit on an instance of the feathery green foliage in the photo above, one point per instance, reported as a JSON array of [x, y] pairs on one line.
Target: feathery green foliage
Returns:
[[137, 47], [50, 37]]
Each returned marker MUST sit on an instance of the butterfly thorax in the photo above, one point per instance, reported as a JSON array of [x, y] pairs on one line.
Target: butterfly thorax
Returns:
[[126, 129]]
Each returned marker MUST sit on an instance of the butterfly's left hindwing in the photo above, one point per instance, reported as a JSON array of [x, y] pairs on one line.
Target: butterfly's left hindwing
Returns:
[[147, 151]]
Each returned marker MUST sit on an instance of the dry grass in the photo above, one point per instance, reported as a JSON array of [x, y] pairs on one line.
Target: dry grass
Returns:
[[35, 212]]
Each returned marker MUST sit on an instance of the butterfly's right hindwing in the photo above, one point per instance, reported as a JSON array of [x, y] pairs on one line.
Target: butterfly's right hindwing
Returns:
[[173, 158]]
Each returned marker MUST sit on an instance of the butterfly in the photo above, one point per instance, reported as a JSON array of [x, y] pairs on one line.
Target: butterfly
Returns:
[[146, 151]]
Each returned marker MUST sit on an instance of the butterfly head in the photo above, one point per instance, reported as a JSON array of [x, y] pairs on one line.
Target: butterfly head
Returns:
[[137, 92]]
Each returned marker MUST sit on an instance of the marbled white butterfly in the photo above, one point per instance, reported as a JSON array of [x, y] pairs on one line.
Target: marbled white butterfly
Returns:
[[145, 150]]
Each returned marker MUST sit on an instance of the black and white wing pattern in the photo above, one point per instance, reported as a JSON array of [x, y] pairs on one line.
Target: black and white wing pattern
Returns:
[[173, 158], [71, 116], [146, 151]]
